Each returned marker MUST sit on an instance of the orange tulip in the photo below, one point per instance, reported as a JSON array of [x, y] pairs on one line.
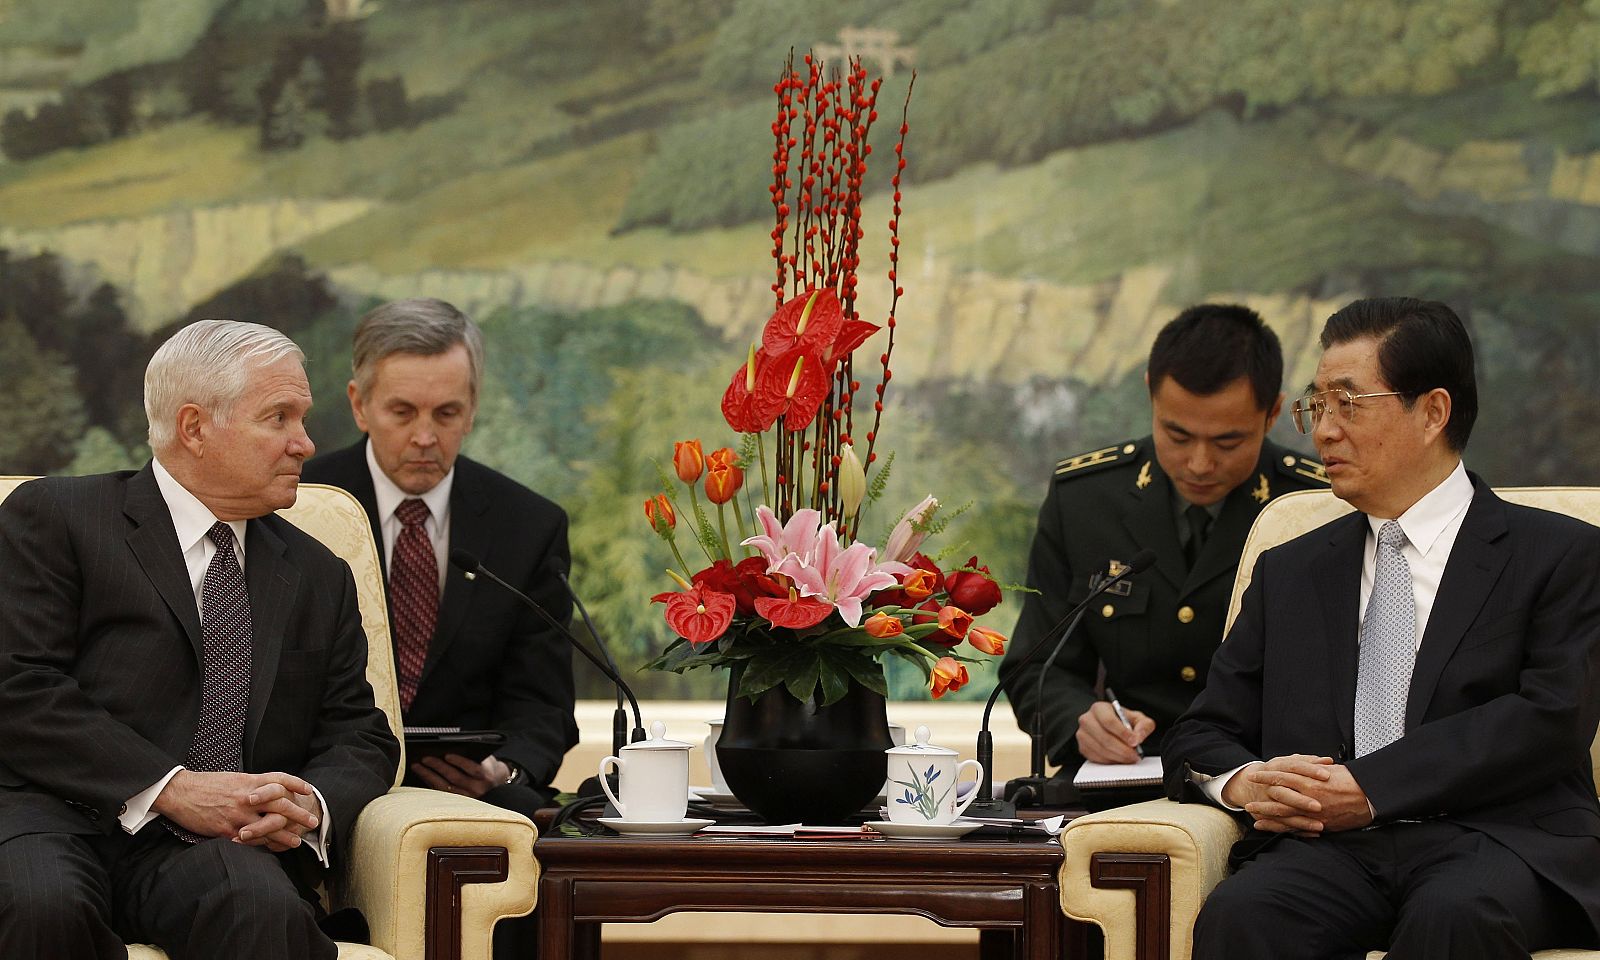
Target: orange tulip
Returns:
[[722, 456], [688, 460], [920, 584], [992, 642], [883, 626], [722, 482], [947, 675], [658, 510], [954, 621]]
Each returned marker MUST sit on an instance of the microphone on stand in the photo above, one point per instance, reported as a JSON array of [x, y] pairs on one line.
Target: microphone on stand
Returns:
[[470, 565], [619, 717], [986, 805]]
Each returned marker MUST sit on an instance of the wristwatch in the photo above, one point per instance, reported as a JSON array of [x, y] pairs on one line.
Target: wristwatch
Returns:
[[517, 774]]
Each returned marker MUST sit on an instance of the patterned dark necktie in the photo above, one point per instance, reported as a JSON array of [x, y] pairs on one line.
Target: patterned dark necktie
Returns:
[[413, 594], [1388, 647], [226, 636]]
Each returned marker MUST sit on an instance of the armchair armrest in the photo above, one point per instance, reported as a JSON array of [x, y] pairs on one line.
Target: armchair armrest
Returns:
[[433, 871], [1148, 868]]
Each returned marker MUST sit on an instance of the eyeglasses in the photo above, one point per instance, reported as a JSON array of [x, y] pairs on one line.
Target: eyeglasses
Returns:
[[1308, 411]]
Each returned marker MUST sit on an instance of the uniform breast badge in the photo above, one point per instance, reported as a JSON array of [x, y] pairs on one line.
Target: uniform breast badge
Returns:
[[1121, 588], [1262, 492], [1142, 481]]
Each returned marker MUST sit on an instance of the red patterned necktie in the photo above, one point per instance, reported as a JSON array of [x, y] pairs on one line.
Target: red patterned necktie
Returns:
[[227, 639], [413, 595]]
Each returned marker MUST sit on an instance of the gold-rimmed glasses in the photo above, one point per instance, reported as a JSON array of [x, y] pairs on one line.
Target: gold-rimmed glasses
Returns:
[[1308, 411]]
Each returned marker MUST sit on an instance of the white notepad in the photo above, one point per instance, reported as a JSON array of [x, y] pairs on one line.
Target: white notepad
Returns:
[[1145, 773]]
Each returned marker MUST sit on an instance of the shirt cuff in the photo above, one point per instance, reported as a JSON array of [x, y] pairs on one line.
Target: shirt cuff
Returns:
[[136, 812], [1212, 787], [319, 844]]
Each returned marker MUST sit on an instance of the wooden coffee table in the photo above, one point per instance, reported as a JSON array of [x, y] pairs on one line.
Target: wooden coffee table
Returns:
[[1007, 889]]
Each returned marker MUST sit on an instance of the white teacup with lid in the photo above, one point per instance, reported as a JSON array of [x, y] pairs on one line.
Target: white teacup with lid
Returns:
[[653, 777], [922, 779]]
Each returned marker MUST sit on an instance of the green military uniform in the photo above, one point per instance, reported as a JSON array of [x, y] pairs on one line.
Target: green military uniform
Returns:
[[1155, 641]]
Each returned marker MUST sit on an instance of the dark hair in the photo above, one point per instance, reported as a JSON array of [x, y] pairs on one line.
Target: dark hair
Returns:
[[1211, 345], [1422, 345]]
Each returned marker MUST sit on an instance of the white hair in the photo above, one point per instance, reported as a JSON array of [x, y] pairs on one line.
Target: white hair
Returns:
[[208, 363]]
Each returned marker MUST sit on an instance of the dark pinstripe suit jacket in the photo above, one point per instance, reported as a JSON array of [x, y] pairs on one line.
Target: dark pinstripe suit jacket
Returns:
[[100, 655]]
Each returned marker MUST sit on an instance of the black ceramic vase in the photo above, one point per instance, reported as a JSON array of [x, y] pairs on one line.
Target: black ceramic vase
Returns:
[[794, 762]]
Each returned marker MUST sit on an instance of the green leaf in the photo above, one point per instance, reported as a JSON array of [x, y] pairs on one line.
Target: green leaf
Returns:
[[802, 681], [834, 679], [867, 672]]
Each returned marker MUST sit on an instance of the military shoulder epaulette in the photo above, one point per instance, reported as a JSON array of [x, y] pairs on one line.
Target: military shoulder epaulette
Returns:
[[1095, 460], [1307, 468]]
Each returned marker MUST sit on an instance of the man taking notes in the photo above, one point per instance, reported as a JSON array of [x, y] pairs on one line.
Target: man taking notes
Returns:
[[1405, 704], [1189, 492], [189, 733]]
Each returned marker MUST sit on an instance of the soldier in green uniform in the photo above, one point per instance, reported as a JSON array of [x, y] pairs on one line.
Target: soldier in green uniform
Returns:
[[1189, 492]]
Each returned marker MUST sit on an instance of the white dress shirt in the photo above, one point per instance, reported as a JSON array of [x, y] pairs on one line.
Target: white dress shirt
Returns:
[[437, 525], [192, 521], [1430, 526]]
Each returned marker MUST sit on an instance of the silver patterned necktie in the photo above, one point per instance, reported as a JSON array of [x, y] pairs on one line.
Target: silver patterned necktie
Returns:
[[227, 638], [1388, 647]]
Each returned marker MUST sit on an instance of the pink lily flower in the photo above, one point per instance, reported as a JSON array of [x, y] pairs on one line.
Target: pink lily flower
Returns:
[[778, 541], [905, 538], [844, 577]]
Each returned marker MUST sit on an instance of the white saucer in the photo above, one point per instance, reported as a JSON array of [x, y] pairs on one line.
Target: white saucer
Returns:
[[924, 831], [656, 828], [714, 797]]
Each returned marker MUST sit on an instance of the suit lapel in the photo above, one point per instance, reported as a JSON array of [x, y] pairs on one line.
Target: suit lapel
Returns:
[[472, 531], [1337, 575], [1476, 560], [1148, 518], [154, 542], [272, 583]]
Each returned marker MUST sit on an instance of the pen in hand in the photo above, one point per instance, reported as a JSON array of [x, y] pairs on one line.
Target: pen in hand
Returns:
[[1112, 696]]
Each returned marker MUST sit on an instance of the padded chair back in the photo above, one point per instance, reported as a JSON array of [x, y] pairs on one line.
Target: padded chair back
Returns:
[[1303, 511], [337, 519]]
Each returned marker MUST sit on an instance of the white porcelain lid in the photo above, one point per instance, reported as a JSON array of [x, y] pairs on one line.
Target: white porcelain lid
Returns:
[[658, 740], [921, 747]]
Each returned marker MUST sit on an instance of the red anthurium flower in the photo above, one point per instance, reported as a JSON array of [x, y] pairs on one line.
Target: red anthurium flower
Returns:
[[688, 460], [992, 642], [954, 621], [852, 335], [948, 674], [812, 320], [698, 614], [796, 383], [973, 590], [744, 410], [794, 610], [658, 510], [883, 626], [722, 482]]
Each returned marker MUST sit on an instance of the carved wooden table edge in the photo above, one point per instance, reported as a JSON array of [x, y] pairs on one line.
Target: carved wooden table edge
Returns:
[[1007, 890]]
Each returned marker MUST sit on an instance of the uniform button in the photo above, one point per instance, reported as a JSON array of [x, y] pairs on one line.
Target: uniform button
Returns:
[[1129, 448], [1288, 461], [1188, 674], [1186, 614], [1107, 610]]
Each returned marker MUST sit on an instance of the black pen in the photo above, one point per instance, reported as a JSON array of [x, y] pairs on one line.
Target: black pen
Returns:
[[1112, 696]]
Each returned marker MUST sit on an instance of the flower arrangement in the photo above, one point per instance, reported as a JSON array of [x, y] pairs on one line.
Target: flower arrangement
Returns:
[[798, 599]]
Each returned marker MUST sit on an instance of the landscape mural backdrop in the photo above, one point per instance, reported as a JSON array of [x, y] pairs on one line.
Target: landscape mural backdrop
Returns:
[[588, 178]]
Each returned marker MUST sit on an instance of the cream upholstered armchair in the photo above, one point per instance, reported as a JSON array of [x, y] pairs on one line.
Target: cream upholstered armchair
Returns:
[[431, 871], [1141, 872]]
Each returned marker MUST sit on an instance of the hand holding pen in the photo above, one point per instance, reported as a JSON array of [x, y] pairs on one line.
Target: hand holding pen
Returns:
[[1110, 733]]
